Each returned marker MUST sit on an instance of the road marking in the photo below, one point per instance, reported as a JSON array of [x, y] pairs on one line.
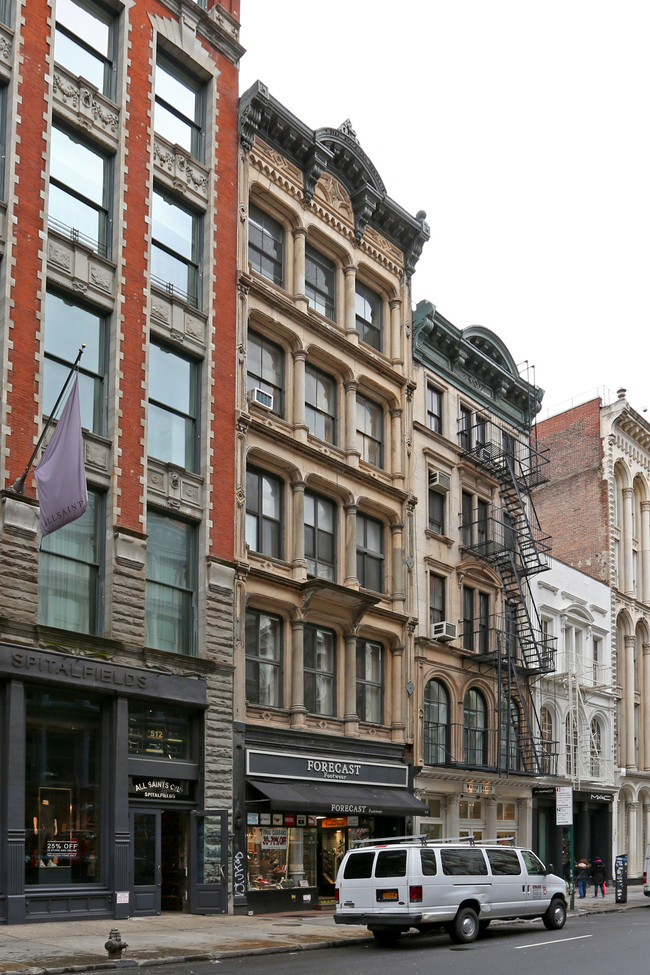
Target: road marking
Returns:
[[558, 941]]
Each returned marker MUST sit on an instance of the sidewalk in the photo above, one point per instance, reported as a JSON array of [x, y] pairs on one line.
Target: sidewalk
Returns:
[[55, 947]]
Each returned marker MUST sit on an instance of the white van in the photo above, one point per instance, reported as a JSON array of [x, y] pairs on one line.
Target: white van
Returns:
[[459, 885], [646, 872]]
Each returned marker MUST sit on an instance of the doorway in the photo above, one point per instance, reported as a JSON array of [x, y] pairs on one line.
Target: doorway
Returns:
[[160, 858]]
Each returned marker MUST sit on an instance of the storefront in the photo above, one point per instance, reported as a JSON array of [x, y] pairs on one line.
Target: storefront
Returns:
[[303, 810], [592, 827], [102, 784]]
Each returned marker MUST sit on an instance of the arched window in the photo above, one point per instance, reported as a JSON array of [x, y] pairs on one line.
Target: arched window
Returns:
[[571, 744], [596, 748], [475, 738], [546, 726], [436, 723], [509, 736]]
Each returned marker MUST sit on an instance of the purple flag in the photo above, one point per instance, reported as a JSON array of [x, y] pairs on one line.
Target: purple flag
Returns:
[[61, 475]]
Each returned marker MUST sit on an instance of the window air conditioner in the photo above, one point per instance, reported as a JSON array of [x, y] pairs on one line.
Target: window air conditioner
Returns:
[[261, 397], [439, 480], [444, 631]]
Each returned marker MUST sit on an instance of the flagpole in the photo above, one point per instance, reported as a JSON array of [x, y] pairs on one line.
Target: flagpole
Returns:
[[19, 484]]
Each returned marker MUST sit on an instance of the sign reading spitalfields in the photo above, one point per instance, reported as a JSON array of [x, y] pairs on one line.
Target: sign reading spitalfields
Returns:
[[322, 768], [101, 675]]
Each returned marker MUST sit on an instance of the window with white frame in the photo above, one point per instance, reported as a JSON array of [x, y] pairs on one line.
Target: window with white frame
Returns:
[[176, 248], [173, 420], [68, 325], [84, 42], [264, 528], [320, 670], [171, 588], [321, 404], [437, 511], [264, 658], [437, 598], [320, 282], [266, 245], [369, 315], [370, 681], [70, 572], [548, 744], [370, 552], [320, 536], [179, 106], [265, 369], [434, 408], [370, 430], [596, 748], [80, 190]]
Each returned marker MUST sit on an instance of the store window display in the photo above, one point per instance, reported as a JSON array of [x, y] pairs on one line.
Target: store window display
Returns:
[[62, 790], [281, 857]]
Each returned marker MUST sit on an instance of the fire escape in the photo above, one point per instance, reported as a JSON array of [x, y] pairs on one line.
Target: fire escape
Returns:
[[509, 538]]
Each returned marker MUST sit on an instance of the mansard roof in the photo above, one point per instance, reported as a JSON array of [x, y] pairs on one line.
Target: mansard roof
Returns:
[[476, 361], [338, 152]]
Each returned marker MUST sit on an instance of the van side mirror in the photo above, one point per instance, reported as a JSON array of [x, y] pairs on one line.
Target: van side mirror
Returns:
[[550, 868]]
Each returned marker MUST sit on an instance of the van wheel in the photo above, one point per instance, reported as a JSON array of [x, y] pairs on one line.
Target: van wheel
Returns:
[[464, 927], [555, 916], [388, 936]]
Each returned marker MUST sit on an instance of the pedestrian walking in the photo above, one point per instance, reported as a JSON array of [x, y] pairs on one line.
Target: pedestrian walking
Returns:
[[582, 876], [597, 876]]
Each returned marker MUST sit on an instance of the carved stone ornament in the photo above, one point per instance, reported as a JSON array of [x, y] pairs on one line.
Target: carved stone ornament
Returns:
[[334, 194]]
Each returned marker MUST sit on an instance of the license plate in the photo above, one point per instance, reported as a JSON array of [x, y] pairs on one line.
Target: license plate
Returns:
[[387, 895]]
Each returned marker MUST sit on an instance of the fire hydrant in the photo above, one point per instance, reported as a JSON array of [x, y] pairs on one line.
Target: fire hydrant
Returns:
[[115, 946]]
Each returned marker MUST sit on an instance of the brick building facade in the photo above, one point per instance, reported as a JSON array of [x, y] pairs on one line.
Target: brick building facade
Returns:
[[119, 128]]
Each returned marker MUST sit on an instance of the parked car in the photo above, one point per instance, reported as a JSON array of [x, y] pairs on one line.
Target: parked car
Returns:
[[459, 885]]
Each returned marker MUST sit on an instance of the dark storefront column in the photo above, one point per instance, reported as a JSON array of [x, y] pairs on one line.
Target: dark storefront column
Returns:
[[119, 792], [13, 775]]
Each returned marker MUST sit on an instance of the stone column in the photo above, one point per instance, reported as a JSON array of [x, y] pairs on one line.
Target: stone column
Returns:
[[628, 572], [298, 562], [299, 426], [352, 451], [490, 817], [644, 535], [644, 744], [393, 342], [525, 821], [396, 445], [397, 548], [351, 578], [397, 692], [299, 297], [350, 311], [628, 696], [350, 669], [452, 817], [298, 709], [633, 867]]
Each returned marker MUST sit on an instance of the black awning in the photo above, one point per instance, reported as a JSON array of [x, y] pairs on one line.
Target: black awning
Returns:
[[338, 799]]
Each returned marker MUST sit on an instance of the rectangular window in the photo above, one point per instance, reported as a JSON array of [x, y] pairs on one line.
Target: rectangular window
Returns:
[[320, 670], [370, 553], [265, 245], [320, 404], [320, 283], [320, 537], [63, 807], [370, 430], [264, 513], [69, 572], [434, 409], [369, 316], [370, 681], [465, 428], [170, 608], [80, 190], [467, 519], [263, 659], [84, 42], [173, 428], [159, 733], [180, 107], [176, 249], [68, 326], [437, 502], [265, 369], [5, 12], [476, 620], [436, 598]]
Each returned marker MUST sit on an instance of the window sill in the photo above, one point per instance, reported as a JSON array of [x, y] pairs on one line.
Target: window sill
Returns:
[[434, 536]]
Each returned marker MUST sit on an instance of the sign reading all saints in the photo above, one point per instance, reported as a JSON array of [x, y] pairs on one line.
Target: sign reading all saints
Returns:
[[322, 768]]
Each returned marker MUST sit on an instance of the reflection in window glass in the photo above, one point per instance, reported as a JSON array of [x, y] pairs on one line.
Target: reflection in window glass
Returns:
[[158, 733], [175, 249], [263, 659], [179, 107], [62, 790], [171, 584], [265, 245], [281, 857], [79, 190], [173, 405], [83, 42]]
